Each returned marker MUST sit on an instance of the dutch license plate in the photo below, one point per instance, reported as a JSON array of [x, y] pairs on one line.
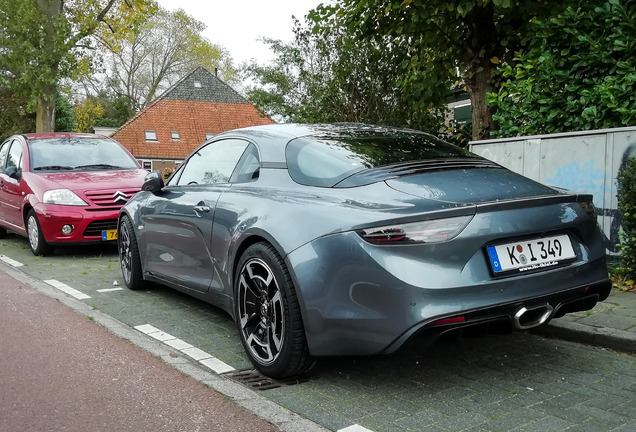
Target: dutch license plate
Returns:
[[109, 235], [531, 254]]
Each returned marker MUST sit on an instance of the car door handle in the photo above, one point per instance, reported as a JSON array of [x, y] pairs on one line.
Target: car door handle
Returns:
[[201, 208]]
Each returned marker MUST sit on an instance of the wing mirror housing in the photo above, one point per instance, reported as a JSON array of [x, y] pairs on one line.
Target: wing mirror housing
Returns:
[[153, 182]]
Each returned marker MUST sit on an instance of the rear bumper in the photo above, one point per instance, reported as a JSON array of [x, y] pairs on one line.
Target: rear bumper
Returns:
[[361, 300], [508, 317]]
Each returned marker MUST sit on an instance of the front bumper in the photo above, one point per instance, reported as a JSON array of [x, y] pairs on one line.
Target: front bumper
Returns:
[[87, 223]]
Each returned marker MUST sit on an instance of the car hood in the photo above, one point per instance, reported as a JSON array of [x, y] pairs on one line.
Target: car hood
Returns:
[[95, 180], [470, 186]]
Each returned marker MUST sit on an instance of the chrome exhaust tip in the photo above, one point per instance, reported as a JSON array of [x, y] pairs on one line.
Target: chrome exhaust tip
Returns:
[[529, 317]]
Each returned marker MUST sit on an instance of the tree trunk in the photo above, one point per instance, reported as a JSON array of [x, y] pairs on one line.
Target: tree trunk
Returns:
[[45, 110], [481, 47], [477, 86]]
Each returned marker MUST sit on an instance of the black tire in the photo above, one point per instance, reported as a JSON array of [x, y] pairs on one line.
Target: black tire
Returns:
[[3, 233], [268, 314], [37, 242], [129, 259]]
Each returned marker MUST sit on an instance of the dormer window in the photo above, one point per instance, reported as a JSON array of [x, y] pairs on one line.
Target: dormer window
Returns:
[[197, 84], [175, 136], [151, 135]]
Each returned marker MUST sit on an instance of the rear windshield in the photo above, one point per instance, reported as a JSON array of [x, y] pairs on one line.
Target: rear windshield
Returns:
[[78, 154], [325, 161]]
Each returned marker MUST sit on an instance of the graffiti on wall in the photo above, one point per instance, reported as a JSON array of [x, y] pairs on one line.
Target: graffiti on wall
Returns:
[[588, 177]]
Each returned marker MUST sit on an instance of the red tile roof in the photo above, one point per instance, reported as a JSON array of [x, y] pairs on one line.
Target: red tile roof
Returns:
[[192, 119]]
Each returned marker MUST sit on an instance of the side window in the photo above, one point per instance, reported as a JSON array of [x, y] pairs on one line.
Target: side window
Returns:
[[213, 163], [248, 167], [3, 154], [14, 158]]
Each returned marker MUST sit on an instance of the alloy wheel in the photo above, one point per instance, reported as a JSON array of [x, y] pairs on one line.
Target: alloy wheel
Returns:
[[261, 311], [125, 255]]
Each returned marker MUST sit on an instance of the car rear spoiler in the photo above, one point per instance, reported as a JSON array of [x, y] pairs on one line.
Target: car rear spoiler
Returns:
[[534, 201]]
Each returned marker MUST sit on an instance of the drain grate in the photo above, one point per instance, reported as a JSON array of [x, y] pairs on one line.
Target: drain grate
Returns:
[[257, 381]]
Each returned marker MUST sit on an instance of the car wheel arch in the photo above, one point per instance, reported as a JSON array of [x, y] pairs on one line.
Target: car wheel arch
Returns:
[[242, 246], [25, 212]]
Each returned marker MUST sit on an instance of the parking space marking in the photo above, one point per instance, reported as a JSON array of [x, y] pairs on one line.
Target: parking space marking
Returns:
[[10, 261], [105, 290], [67, 289], [204, 358], [217, 365], [354, 428]]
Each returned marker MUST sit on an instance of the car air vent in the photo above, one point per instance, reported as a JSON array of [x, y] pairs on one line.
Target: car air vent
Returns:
[[95, 228], [411, 168]]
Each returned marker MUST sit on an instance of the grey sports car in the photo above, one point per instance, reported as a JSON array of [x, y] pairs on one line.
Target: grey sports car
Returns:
[[323, 240]]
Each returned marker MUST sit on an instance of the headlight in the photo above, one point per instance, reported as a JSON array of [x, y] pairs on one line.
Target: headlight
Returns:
[[63, 197], [431, 231]]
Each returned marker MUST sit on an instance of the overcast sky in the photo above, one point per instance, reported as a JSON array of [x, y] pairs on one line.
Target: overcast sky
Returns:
[[237, 25]]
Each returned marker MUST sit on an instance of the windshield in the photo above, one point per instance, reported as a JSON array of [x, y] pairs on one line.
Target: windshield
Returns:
[[318, 161], [78, 154]]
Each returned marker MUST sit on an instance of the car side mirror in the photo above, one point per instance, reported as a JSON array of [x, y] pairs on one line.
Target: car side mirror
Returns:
[[14, 172], [153, 182]]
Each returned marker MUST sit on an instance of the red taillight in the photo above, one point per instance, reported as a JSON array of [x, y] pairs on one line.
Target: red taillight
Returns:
[[429, 231], [452, 320], [589, 208], [387, 235]]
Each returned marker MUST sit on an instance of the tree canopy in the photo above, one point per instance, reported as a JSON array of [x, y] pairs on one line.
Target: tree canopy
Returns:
[[463, 40], [45, 41], [330, 76], [160, 51], [578, 73]]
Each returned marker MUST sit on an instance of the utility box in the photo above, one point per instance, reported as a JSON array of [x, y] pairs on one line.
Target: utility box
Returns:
[[583, 162]]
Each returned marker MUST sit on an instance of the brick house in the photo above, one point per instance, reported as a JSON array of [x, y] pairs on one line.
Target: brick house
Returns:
[[194, 109]]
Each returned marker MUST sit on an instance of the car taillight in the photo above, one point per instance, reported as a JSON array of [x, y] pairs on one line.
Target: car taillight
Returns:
[[431, 231], [589, 208]]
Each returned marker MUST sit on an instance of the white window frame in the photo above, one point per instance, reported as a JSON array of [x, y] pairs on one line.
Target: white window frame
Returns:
[[151, 135]]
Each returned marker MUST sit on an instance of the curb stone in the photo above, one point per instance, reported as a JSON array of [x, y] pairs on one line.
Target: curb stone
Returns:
[[616, 339]]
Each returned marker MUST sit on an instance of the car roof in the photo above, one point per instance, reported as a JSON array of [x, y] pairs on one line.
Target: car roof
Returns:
[[273, 138], [295, 130], [48, 135]]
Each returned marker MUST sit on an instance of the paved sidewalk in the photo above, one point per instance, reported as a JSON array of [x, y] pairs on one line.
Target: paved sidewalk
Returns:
[[611, 324], [60, 370]]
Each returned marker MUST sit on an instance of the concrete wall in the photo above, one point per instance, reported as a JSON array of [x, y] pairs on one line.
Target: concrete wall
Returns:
[[584, 162]]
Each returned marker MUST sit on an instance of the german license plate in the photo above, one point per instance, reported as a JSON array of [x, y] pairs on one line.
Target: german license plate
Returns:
[[531, 254], [109, 235]]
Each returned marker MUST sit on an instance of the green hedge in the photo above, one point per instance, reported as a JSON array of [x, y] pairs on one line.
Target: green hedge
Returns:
[[626, 193]]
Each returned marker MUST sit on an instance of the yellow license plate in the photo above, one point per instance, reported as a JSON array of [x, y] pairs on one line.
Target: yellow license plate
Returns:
[[109, 235]]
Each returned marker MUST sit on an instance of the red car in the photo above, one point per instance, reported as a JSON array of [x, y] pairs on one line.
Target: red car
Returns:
[[64, 188]]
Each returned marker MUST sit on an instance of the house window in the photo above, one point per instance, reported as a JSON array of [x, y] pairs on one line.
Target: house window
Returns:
[[209, 135], [197, 84], [147, 165], [151, 135], [175, 136]]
